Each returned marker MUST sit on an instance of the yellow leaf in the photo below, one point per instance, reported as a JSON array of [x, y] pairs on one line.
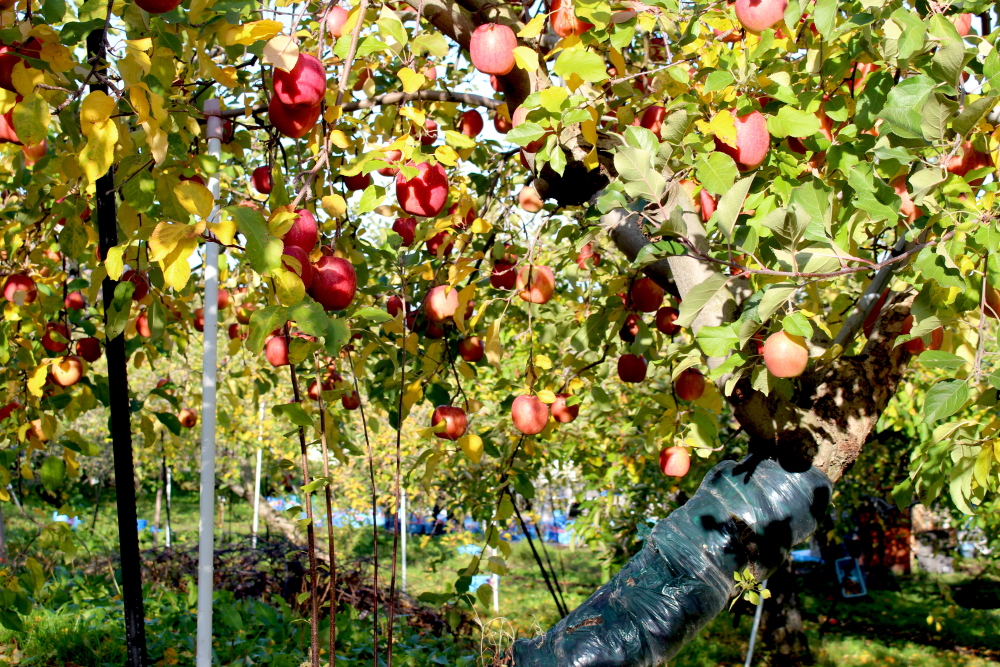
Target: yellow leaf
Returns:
[[115, 263], [98, 156], [289, 287], [547, 396], [464, 296], [282, 52], [171, 244], [447, 155], [334, 205], [543, 362], [590, 160], [339, 139], [157, 141], [472, 447], [526, 58], [281, 221], [494, 352], [8, 98], [589, 127], [414, 393], [26, 78], [618, 62], [96, 110], [197, 9], [59, 58], [480, 226], [195, 198], [723, 126], [412, 81], [225, 229], [36, 380], [225, 76], [416, 115], [534, 27], [255, 31]]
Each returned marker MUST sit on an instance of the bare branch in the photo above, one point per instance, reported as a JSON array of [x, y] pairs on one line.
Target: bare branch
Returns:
[[391, 98]]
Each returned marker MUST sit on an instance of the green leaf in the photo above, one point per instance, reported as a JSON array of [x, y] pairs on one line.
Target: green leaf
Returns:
[[825, 17], [719, 79], [525, 133], [972, 113], [157, 314], [294, 412], [121, 306], [945, 399], [31, 119], [949, 59], [557, 161], [263, 251], [636, 171], [791, 122], [797, 324], [170, 421], [338, 332], [718, 341], [717, 172], [944, 360], [373, 314], [699, 297], [902, 108], [430, 42], [371, 198], [262, 323], [53, 472], [310, 318], [485, 595], [731, 205], [642, 138], [586, 65]]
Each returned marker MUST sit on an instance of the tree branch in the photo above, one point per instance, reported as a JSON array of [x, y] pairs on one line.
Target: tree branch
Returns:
[[391, 98]]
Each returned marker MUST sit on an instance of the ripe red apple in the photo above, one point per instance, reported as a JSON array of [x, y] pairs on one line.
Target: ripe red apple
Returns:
[[222, 298], [752, 139], [315, 388], [67, 371], [394, 305], [49, 340], [406, 228], [529, 200], [970, 159], [756, 16], [992, 306], [868, 326], [74, 301], [199, 320], [652, 119], [276, 351], [335, 20], [334, 282], [564, 20], [630, 329], [645, 295], [304, 231], [495, 83], [89, 349], [675, 461], [439, 240], [536, 285], [427, 134], [7, 410], [357, 182], [19, 289], [917, 345], [732, 37], [631, 368], [351, 401], [32, 154], [502, 124], [141, 282], [455, 422], [433, 330], [261, 179], [562, 413], [503, 275], [471, 123], [466, 222], [188, 418], [158, 6], [301, 267], [303, 86], [529, 414], [907, 208], [785, 355], [234, 331], [587, 253], [690, 384], [440, 303], [392, 156], [293, 123], [492, 49], [963, 23], [708, 204], [195, 179], [472, 349], [426, 193], [665, 320], [142, 325], [244, 312]]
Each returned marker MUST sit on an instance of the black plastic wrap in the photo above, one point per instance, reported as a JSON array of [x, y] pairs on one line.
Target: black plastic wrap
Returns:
[[744, 514]]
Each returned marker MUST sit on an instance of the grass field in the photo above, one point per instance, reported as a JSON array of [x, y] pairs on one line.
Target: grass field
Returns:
[[79, 622]]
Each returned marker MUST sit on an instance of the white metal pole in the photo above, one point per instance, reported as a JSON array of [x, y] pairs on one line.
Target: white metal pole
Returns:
[[256, 501], [404, 523], [206, 523], [756, 624], [168, 505], [495, 584]]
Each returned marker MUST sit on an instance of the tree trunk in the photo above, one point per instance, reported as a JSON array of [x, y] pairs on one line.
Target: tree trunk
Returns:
[[781, 623]]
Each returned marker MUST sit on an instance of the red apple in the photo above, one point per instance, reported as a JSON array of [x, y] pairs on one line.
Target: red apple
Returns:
[[244, 312], [652, 119], [529, 200], [335, 20], [433, 330], [293, 123], [917, 345], [276, 351], [194, 179], [19, 289], [303, 86], [441, 303], [492, 49], [74, 301], [89, 349], [32, 154], [142, 325], [472, 349], [631, 368], [439, 240], [752, 139], [564, 20], [351, 401], [690, 384], [562, 413], [675, 461], [471, 123], [992, 306], [141, 282], [391, 156], [334, 282], [394, 305], [535, 285], [970, 159], [67, 371], [868, 326], [466, 222], [315, 388], [785, 355], [49, 339], [234, 331], [199, 320], [502, 124], [357, 182], [708, 204], [7, 410], [222, 298], [587, 253], [503, 275], [188, 418], [427, 134], [907, 208], [963, 23], [529, 414], [630, 329], [406, 228], [158, 6], [665, 318], [261, 179], [304, 231], [426, 193], [455, 422], [645, 295], [756, 16]]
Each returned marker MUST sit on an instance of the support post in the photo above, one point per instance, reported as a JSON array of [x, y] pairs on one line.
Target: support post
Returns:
[[753, 632], [206, 525], [404, 527], [169, 481], [256, 500], [121, 430]]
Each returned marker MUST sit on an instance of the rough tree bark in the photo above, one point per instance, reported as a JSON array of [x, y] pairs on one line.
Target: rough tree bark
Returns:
[[781, 622]]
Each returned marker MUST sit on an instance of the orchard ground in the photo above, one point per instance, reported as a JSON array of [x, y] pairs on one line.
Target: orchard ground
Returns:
[[78, 619]]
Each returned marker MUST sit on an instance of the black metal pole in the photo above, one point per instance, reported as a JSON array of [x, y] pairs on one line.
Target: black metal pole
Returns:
[[121, 432]]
